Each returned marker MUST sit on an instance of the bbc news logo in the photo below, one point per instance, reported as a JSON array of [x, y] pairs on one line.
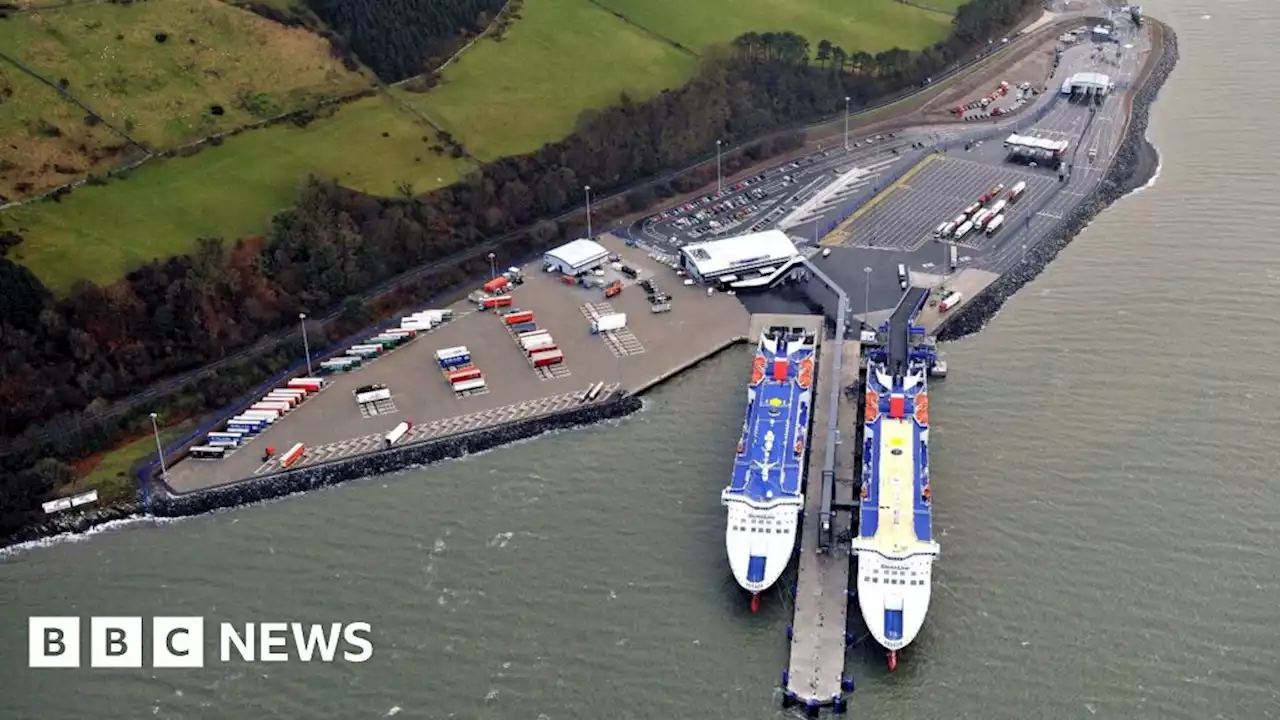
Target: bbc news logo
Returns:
[[178, 642]]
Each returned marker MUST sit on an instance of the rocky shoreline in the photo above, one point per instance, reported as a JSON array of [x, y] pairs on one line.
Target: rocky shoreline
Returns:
[[169, 504], [1135, 164]]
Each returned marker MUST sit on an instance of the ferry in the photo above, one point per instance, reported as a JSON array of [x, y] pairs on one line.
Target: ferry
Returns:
[[764, 497], [895, 548]]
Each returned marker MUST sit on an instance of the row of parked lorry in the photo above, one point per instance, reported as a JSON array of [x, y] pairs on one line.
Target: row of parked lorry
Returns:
[[261, 414], [537, 344], [985, 215]]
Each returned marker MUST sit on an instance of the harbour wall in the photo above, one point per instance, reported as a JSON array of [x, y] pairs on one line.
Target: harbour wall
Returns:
[[1134, 165], [166, 503]]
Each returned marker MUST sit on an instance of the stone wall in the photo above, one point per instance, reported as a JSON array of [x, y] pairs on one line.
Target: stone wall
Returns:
[[1134, 165], [166, 503]]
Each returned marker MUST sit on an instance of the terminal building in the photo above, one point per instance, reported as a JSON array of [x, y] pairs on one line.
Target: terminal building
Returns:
[[1088, 84], [757, 260], [1031, 149], [576, 258]]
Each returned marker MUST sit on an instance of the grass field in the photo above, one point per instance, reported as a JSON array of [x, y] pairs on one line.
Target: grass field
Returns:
[[560, 58], [867, 25], [110, 474], [164, 93], [40, 138], [231, 191]]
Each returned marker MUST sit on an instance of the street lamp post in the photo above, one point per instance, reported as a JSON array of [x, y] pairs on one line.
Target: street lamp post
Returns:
[[493, 271], [587, 190], [719, 176], [306, 346], [164, 472], [866, 295], [846, 122]]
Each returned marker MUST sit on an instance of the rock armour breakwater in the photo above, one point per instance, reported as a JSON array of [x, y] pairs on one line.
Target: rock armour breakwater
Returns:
[[168, 504], [1134, 165]]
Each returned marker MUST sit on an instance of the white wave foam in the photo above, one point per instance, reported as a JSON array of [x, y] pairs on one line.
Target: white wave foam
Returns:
[[74, 536]]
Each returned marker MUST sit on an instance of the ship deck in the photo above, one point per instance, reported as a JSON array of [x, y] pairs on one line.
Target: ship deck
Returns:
[[777, 416], [899, 510]]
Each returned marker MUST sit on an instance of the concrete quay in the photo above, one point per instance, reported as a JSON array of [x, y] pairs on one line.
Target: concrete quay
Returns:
[[819, 633], [652, 348]]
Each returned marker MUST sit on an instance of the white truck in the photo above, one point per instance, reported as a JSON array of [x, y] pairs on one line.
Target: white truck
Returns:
[[1017, 191], [995, 224], [605, 323], [951, 300], [963, 230]]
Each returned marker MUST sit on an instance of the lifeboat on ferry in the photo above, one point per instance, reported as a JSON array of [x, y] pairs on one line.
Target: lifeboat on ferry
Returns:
[[926, 494], [799, 446], [866, 492], [922, 409], [806, 373], [757, 370], [873, 407]]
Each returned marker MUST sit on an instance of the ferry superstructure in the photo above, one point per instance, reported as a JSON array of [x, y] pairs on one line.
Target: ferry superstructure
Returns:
[[765, 495], [895, 548]]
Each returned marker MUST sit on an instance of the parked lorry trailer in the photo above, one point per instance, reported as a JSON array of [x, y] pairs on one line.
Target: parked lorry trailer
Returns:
[[398, 432], [536, 344], [526, 327], [951, 300], [463, 386], [466, 373], [280, 408], [291, 458], [269, 416], [544, 358], [497, 301], [995, 224], [310, 384], [1016, 191], [517, 318], [606, 323], [963, 230]]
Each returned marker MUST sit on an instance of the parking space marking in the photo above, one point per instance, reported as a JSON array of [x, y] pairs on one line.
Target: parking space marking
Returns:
[[842, 234], [386, 406], [621, 342], [440, 428]]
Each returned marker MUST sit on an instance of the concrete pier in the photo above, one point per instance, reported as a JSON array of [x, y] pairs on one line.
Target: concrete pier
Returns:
[[815, 676]]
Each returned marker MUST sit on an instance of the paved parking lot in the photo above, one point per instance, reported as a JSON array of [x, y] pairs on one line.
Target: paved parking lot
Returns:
[[441, 428], [904, 216], [696, 325]]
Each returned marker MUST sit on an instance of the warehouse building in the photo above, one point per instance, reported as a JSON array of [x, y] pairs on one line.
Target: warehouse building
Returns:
[[576, 258], [754, 260]]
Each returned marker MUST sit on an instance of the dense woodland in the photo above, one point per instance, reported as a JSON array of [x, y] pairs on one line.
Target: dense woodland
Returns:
[[398, 39], [62, 360]]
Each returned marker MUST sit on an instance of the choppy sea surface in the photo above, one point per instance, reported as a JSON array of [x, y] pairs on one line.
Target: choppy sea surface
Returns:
[[1104, 462]]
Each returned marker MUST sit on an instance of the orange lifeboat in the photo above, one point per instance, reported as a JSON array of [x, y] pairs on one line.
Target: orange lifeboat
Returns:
[[922, 409], [741, 447], [866, 493], [800, 445], [927, 493], [873, 406], [757, 370], [806, 373]]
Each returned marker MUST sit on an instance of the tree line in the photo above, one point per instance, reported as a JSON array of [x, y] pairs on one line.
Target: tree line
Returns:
[[62, 359], [398, 39]]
